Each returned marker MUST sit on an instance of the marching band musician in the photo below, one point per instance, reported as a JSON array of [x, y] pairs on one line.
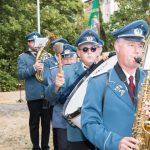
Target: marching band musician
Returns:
[[110, 102], [88, 50], [58, 122], [27, 68], [52, 64]]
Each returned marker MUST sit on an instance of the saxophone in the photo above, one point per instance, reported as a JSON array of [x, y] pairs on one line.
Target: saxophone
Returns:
[[141, 126], [42, 54]]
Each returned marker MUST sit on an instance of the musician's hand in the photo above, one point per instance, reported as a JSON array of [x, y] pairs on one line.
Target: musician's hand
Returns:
[[147, 108], [38, 66], [105, 55], [59, 81], [128, 143]]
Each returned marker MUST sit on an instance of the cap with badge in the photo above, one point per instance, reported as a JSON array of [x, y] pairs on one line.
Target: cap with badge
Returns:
[[32, 36], [89, 36], [61, 40], [135, 31], [68, 51]]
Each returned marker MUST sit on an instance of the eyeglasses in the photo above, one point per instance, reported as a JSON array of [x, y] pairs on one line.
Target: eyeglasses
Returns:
[[86, 49]]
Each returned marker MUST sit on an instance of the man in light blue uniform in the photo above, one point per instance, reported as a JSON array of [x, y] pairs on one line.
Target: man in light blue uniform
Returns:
[[27, 68], [109, 106], [87, 43], [50, 65], [58, 122]]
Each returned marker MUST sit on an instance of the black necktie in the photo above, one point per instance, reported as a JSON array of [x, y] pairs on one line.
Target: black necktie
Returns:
[[85, 68], [132, 88]]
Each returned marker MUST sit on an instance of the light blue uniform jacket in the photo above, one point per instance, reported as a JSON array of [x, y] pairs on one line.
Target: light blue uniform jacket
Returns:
[[34, 89], [106, 129], [71, 73], [58, 121], [51, 62], [49, 65]]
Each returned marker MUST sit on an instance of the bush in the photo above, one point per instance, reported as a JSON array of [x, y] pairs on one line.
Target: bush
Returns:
[[7, 82]]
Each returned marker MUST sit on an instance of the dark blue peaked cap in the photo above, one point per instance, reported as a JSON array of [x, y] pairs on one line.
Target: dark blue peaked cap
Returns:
[[61, 40], [135, 31], [68, 50], [89, 36], [32, 36]]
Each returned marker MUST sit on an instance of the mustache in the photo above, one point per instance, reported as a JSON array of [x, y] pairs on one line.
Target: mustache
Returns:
[[138, 59]]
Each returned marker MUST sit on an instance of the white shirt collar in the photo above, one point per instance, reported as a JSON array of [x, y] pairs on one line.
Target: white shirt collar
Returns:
[[32, 52], [56, 57], [84, 66], [128, 75]]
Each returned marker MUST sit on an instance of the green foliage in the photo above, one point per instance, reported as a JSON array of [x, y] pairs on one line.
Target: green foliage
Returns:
[[18, 18], [128, 12], [64, 18], [7, 82]]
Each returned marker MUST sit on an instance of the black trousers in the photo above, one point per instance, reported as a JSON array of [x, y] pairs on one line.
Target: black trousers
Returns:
[[60, 139], [37, 113], [51, 112], [82, 145]]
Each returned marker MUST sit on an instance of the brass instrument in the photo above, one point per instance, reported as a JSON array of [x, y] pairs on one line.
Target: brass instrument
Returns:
[[42, 53], [141, 127]]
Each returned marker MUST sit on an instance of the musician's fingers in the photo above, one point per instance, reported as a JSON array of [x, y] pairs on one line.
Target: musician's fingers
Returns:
[[128, 143], [60, 74], [58, 85], [59, 81], [39, 66], [38, 61]]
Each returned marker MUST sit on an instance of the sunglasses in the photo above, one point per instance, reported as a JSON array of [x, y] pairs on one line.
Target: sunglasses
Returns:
[[86, 49]]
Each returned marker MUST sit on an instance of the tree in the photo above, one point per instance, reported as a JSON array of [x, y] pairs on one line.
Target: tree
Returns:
[[63, 18], [128, 11]]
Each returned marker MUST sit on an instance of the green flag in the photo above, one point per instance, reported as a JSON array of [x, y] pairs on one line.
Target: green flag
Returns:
[[94, 22]]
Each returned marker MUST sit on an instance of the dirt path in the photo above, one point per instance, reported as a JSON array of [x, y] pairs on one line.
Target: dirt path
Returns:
[[14, 130]]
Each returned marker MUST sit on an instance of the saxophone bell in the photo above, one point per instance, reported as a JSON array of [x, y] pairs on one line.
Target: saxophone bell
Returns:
[[146, 126], [138, 59]]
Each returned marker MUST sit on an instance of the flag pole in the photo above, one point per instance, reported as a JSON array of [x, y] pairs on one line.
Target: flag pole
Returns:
[[99, 11], [38, 15]]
